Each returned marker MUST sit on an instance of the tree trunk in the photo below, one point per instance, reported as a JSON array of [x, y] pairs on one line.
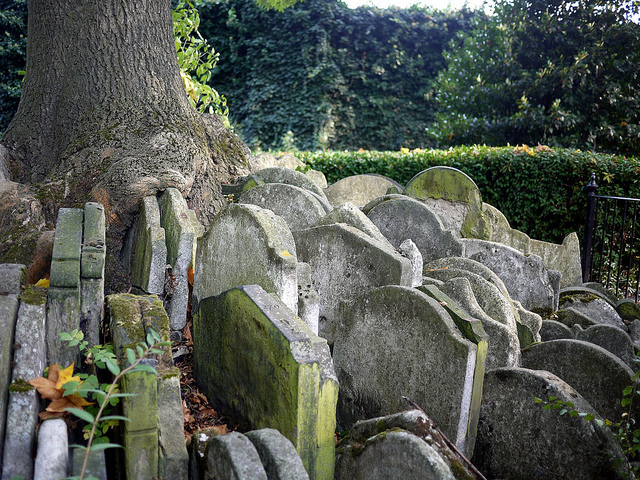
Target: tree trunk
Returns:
[[104, 115]]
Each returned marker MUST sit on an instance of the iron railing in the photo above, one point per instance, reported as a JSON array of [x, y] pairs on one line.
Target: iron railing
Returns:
[[611, 248]]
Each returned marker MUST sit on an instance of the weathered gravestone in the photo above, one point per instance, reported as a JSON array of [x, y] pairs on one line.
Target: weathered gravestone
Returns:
[[246, 244], [612, 339], [360, 189], [23, 403], [278, 455], [351, 215], [598, 375], [526, 278], [149, 249], [292, 177], [263, 364], [92, 272], [597, 309], [344, 263], [233, 456], [399, 218], [519, 440], [454, 197], [52, 461], [368, 452], [396, 341], [299, 208]]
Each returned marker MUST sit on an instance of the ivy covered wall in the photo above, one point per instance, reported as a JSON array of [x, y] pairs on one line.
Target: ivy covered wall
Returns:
[[332, 76]]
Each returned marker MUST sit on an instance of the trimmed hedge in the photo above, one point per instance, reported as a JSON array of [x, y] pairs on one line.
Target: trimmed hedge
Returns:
[[539, 190]]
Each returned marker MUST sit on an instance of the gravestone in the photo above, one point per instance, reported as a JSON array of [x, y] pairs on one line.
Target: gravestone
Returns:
[[519, 440], [299, 208], [399, 218], [393, 341], [564, 258], [291, 177], [244, 245], [611, 339], [359, 189], [554, 330], [263, 364], [233, 456], [52, 460], [351, 215], [500, 230], [525, 277], [149, 249], [278, 455], [345, 262], [599, 310], [454, 197], [597, 374], [92, 272]]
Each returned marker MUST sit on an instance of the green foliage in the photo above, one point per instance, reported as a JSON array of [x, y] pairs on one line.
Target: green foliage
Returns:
[[106, 395], [560, 73], [334, 77], [540, 191], [13, 48], [197, 59]]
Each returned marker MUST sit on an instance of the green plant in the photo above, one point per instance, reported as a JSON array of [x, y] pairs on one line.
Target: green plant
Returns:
[[197, 59]]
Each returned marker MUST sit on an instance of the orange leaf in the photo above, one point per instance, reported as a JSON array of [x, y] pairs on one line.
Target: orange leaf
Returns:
[[46, 388], [78, 401], [60, 405]]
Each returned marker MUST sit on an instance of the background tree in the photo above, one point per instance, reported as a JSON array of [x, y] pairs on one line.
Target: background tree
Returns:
[[561, 73], [13, 51]]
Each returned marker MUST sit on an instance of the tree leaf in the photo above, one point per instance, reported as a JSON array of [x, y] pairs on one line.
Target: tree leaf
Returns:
[[81, 414]]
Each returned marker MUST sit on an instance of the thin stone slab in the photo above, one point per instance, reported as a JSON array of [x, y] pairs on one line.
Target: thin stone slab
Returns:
[[344, 263], [24, 402], [409, 250], [290, 177], [394, 339], [554, 330], [52, 460], [299, 208], [500, 230], [233, 456], [570, 317], [93, 244], [92, 309], [174, 459], [611, 339], [263, 365], [598, 310], [308, 299], [504, 347], [597, 374], [63, 315], [359, 189], [67, 244], [180, 237], [455, 198], [149, 250], [399, 218], [519, 440], [11, 277], [278, 455], [268, 160], [351, 215], [525, 277], [246, 244], [628, 309], [8, 315], [564, 258]]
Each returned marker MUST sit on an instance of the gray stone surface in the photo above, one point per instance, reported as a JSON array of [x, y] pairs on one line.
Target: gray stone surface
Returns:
[[391, 342], [525, 277], [23, 406], [4, 160], [588, 290], [454, 197], [395, 454], [65, 262], [529, 324], [570, 317], [400, 217], [245, 245], [93, 242], [317, 177], [554, 330], [174, 459], [233, 456], [500, 230], [197, 448], [91, 308], [598, 310], [504, 348], [298, 207], [11, 278], [52, 460], [265, 366], [180, 237], [634, 332], [278, 455], [308, 299], [564, 258], [628, 309], [344, 263], [518, 440], [63, 315], [611, 339], [290, 177], [96, 465], [149, 250], [409, 250], [8, 315], [351, 215], [598, 375], [267, 160], [359, 189]]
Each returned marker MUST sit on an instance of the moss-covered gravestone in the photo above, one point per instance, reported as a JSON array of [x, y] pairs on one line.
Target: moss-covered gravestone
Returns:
[[265, 366]]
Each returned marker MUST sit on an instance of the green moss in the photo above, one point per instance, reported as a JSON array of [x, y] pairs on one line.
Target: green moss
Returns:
[[20, 386], [168, 373], [33, 295]]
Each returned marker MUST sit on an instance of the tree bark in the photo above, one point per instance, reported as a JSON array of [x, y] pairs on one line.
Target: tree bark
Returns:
[[103, 112]]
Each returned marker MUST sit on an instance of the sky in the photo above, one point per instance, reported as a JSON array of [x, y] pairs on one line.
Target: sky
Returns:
[[439, 4]]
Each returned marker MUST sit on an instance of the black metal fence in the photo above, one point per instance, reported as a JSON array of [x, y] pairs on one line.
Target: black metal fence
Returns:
[[611, 248]]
